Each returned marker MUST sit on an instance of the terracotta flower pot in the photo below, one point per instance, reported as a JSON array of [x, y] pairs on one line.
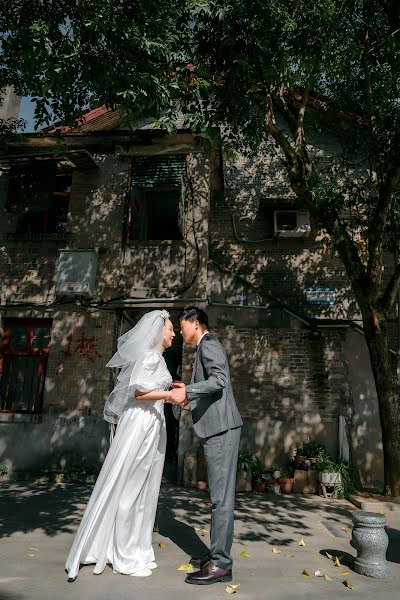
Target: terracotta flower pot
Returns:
[[286, 485], [259, 487]]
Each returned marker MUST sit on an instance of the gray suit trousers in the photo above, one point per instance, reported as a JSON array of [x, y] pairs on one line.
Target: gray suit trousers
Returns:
[[221, 452]]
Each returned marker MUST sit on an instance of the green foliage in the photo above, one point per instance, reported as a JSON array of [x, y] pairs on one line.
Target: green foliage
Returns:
[[346, 485], [245, 459], [286, 472], [3, 469], [257, 471], [327, 464], [310, 449], [73, 55]]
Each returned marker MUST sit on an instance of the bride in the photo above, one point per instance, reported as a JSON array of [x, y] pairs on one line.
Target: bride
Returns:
[[117, 525]]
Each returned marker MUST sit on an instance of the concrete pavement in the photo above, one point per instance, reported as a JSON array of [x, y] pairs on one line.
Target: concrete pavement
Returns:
[[38, 521]]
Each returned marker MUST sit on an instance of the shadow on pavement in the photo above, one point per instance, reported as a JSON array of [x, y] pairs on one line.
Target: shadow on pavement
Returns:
[[53, 508]]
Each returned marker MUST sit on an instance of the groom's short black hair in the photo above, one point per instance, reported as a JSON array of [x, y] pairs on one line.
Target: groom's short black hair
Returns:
[[193, 313]]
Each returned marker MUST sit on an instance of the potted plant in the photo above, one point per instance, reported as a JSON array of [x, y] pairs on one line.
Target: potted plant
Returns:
[[257, 475], [346, 484], [286, 480], [310, 449], [243, 475], [328, 471]]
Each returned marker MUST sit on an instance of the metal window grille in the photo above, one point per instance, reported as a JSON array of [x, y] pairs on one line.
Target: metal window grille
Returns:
[[23, 359]]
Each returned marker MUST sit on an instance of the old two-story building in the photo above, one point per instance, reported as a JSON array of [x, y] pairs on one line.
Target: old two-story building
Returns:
[[106, 224]]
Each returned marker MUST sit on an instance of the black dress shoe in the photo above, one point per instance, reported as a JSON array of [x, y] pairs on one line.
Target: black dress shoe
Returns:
[[208, 575], [199, 562]]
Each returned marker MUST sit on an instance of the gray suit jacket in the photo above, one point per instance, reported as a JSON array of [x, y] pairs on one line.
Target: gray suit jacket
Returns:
[[210, 392]]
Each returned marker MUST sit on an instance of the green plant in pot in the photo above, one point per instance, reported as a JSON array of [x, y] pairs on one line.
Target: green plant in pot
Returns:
[[257, 475], [328, 473], [286, 480], [244, 471], [336, 472], [310, 449], [345, 485]]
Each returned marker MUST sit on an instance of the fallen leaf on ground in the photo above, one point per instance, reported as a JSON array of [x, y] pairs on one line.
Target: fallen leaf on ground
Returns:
[[347, 584], [33, 548], [201, 530], [337, 562], [161, 545], [232, 588], [344, 573], [186, 567], [31, 554], [305, 574], [318, 574], [345, 528], [244, 554], [329, 555], [205, 501], [328, 578], [302, 542], [275, 551]]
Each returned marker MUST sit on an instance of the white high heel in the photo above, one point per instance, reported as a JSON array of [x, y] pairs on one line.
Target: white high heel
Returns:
[[142, 573]]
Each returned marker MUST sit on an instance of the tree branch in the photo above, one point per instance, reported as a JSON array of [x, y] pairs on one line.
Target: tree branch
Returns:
[[299, 139], [377, 230], [278, 135], [390, 295], [346, 249]]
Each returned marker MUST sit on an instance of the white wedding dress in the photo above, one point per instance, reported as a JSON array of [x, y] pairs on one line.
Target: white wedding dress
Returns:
[[117, 525]]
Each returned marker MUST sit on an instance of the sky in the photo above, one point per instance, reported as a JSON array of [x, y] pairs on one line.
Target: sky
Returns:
[[26, 112]]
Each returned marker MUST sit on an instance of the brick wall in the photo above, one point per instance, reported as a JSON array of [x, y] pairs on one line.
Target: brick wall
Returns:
[[290, 383]]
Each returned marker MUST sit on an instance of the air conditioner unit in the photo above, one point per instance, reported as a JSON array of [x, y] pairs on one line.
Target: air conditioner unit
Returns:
[[291, 223], [76, 273]]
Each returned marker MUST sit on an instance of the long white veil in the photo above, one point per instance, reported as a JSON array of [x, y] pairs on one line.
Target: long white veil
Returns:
[[147, 335]]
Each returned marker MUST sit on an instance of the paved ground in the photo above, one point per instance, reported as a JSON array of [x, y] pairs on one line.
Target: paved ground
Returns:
[[37, 524]]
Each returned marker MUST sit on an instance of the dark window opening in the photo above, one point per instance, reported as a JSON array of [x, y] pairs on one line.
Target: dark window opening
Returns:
[[286, 220], [157, 198], [40, 197], [23, 359]]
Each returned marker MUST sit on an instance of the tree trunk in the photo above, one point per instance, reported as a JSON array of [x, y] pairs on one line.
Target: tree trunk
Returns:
[[383, 364]]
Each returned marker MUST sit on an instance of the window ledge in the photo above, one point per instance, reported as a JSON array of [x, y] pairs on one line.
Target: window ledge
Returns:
[[155, 243], [38, 237], [7, 417]]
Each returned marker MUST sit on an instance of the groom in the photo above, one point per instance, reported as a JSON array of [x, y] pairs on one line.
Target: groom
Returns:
[[217, 422]]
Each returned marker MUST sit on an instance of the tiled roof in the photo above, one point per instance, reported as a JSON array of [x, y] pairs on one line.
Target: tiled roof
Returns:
[[97, 119]]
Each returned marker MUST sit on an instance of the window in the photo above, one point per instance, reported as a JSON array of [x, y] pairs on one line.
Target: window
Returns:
[[157, 198], [23, 359], [40, 197]]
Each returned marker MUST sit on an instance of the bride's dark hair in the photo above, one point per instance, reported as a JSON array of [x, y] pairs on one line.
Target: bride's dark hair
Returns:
[[193, 313]]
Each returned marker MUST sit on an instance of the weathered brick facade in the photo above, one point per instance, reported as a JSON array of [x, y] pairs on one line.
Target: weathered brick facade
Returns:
[[291, 380]]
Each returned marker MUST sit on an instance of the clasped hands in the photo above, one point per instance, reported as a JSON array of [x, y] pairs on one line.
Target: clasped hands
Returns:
[[177, 395]]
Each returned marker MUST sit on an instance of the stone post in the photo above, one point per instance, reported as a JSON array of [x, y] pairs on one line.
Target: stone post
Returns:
[[371, 541]]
